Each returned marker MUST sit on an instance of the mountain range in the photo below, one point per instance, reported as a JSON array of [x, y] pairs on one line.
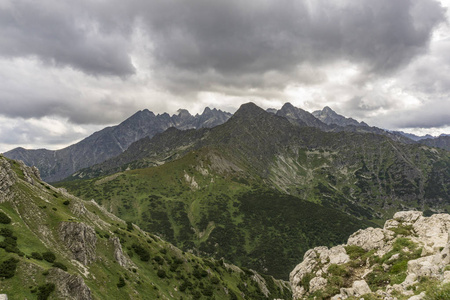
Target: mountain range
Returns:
[[258, 189], [56, 165], [111, 141], [267, 182]]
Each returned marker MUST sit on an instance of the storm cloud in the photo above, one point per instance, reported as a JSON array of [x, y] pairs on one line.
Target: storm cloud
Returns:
[[219, 42], [97, 62]]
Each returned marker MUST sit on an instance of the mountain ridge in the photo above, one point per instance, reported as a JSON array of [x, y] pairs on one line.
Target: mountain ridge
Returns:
[[55, 165]]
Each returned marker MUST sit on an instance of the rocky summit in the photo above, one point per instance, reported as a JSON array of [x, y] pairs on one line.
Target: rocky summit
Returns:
[[407, 259]]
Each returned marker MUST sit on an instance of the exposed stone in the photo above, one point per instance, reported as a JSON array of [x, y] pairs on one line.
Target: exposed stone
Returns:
[[3, 297], [80, 239], [78, 208], [7, 178], [311, 259], [335, 255], [309, 263], [446, 277], [407, 216], [359, 288], [431, 234], [433, 231], [121, 259], [423, 267], [68, 286], [261, 283], [317, 283], [417, 297], [370, 238], [29, 173]]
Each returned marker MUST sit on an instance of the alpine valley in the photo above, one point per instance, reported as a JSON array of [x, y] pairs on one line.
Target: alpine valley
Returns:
[[255, 189]]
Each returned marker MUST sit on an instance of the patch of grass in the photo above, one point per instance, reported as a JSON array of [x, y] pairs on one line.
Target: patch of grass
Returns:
[[402, 230], [405, 250], [305, 280], [439, 293], [354, 251], [338, 270]]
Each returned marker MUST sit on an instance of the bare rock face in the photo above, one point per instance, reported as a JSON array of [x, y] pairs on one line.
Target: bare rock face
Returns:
[[316, 261], [30, 174], [317, 283], [121, 259], [371, 238], [7, 178], [379, 253], [80, 239], [69, 286]]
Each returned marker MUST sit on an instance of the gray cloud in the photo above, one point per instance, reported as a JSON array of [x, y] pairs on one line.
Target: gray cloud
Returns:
[[224, 43], [97, 62], [219, 43], [64, 33], [39, 133]]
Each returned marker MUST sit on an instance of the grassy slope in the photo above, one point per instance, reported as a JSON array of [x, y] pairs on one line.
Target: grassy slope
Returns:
[[227, 213], [36, 211]]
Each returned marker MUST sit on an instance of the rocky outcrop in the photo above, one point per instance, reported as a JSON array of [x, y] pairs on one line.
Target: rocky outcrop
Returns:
[[7, 178], [69, 286], [80, 239], [388, 261], [121, 259]]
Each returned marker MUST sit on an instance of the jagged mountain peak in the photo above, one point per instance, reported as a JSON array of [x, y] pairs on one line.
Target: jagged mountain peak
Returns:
[[183, 112], [300, 117], [248, 108], [288, 105], [328, 110], [330, 117], [111, 141]]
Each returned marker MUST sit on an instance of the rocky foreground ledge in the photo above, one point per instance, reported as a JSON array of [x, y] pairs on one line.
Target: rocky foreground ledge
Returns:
[[407, 259]]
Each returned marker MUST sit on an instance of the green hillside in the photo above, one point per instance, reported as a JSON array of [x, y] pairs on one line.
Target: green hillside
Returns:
[[205, 203], [56, 246]]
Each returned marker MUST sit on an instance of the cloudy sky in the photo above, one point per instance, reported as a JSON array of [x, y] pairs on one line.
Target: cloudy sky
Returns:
[[68, 68]]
